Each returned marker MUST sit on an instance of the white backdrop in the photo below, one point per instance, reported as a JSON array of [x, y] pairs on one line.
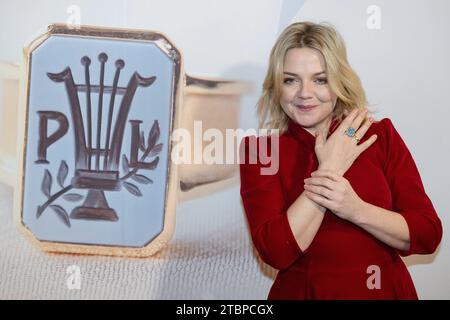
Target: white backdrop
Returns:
[[404, 68]]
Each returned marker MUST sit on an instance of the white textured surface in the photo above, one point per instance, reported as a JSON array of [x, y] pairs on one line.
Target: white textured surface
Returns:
[[209, 257]]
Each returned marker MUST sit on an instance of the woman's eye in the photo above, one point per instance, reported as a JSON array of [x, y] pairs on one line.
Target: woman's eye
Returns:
[[289, 80], [322, 81]]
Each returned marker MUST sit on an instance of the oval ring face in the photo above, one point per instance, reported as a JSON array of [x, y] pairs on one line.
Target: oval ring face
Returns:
[[96, 157]]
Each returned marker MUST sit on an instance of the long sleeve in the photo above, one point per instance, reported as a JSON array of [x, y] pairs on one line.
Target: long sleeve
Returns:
[[408, 194], [264, 205]]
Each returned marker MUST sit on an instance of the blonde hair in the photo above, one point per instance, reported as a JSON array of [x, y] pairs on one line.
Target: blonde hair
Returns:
[[343, 81]]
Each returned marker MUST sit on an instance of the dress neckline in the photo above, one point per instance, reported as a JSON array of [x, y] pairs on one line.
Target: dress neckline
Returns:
[[304, 136]]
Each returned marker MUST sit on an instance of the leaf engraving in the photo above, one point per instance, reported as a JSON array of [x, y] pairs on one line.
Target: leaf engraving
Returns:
[[39, 212], [141, 179], [155, 150], [73, 197], [61, 214], [62, 173], [47, 183], [153, 135], [132, 189]]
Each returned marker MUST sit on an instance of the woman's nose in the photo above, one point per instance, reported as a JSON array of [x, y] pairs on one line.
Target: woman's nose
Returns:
[[305, 91]]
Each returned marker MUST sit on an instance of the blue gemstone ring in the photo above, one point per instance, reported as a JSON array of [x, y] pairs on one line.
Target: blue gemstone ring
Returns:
[[350, 132]]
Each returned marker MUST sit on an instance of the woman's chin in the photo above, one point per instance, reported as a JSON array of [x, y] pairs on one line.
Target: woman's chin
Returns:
[[306, 122]]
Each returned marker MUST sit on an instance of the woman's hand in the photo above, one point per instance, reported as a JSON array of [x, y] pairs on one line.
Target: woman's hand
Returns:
[[339, 151], [332, 191]]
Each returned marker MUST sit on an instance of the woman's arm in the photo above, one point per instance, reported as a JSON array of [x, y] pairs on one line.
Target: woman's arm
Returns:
[[305, 217], [412, 227], [334, 192], [337, 153], [263, 199], [387, 226], [281, 234]]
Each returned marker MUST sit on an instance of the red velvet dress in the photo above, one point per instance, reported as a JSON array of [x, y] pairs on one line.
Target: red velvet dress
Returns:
[[337, 263]]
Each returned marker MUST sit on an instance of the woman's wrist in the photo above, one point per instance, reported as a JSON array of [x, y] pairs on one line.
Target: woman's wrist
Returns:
[[331, 168], [359, 215]]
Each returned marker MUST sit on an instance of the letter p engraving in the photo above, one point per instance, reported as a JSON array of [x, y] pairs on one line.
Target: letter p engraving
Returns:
[[46, 141]]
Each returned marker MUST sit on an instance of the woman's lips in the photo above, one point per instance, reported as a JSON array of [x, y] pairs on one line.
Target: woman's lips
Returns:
[[306, 107]]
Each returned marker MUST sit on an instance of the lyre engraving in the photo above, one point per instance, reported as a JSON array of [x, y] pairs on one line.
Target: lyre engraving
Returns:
[[96, 161]]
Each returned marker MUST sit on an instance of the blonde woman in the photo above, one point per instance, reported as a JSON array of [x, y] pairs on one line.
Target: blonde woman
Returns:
[[347, 200]]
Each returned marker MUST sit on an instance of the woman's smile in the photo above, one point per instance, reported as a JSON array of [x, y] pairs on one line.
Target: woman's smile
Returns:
[[306, 107]]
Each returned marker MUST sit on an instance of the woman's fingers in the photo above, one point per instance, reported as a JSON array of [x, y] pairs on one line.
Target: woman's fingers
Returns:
[[356, 123], [324, 192], [366, 144], [321, 136], [324, 202], [326, 173], [348, 120], [353, 120], [363, 129], [321, 181], [361, 124]]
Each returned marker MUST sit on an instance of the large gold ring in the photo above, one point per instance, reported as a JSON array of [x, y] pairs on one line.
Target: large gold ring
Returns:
[[98, 109]]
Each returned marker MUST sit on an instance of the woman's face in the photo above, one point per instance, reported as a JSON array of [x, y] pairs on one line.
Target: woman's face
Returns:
[[306, 96]]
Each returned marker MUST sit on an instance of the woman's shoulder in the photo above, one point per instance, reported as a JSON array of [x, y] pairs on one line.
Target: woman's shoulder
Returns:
[[388, 138], [383, 128], [382, 124]]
